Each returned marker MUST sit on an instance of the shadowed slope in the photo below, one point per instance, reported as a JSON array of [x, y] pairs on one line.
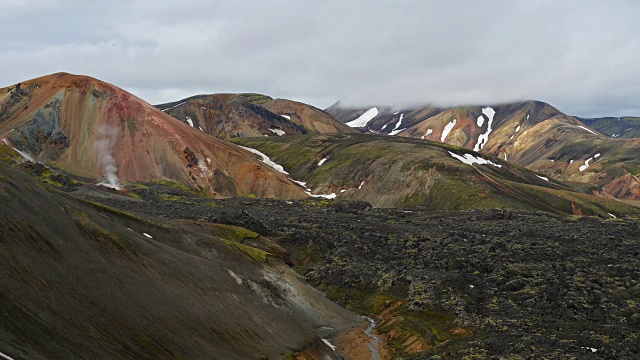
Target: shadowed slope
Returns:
[[250, 115], [83, 281]]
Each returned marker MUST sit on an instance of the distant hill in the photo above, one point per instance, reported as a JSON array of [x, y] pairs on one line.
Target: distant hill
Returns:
[[531, 134], [615, 127], [247, 115]]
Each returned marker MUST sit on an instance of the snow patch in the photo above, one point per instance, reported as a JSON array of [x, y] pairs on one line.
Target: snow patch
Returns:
[[484, 138], [480, 120], [429, 132], [613, 216], [301, 183], [596, 155], [394, 132], [447, 130], [570, 161], [266, 160], [395, 129], [175, 106], [200, 127], [277, 132], [147, 235], [360, 187], [590, 348], [543, 177], [586, 164], [518, 128], [330, 196], [6, 356], [582, 127], [505, 156], [189, 121], [333, 347], [470, 159], [286, 117], [25, 155], [343, 190], [364, 119], [322, 161], [237, 278]]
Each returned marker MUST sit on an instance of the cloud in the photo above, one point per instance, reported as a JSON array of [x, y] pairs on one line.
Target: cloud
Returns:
[[578, 56]]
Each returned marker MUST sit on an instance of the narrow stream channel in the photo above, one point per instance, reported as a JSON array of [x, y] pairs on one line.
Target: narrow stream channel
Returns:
[[375, 340]]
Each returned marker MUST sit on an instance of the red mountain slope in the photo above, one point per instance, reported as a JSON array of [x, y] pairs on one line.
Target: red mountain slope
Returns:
[[94, 129]]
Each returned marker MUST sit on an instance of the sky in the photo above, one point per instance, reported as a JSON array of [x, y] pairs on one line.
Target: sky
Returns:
[[580, 56]]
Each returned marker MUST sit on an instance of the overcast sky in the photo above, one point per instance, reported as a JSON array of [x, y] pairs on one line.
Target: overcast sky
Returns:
[[580, 56]]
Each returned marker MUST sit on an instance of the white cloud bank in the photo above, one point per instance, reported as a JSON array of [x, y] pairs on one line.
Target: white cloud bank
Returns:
[[580, 56]]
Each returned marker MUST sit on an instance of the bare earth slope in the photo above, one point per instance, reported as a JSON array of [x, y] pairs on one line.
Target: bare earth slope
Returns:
[[94, 129]]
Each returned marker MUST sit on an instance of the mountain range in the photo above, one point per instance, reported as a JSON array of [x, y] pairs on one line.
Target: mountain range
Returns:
[[190, 229], [532, 134]]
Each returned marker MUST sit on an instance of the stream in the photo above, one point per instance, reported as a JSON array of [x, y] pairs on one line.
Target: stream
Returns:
[[375, 340]]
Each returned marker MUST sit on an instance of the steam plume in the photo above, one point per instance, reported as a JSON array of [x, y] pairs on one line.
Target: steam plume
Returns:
[[108, 136]]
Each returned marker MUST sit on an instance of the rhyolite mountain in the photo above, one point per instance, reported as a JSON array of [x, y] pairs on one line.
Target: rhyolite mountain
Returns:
[[94, 129], [410, 173], [531, 134], [81, 280], [248, 115]]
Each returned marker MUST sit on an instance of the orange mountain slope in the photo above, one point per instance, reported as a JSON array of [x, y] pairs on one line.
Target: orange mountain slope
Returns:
[[94, 129]]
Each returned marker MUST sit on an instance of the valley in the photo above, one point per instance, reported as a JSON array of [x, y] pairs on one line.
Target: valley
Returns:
[[492, 282]]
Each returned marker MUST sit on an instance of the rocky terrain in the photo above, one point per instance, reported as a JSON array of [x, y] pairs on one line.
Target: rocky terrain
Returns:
[[530, 134], [492, 283], [247, 115]]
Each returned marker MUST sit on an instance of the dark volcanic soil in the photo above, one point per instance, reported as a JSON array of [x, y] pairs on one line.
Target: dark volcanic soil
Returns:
[[494, 283]]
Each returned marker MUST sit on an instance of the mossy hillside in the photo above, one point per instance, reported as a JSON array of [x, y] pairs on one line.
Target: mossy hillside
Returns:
[[408, 173], [122, 214], [234, 236], [7, 154], [232, 233], [106, 238], [257, 99]]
